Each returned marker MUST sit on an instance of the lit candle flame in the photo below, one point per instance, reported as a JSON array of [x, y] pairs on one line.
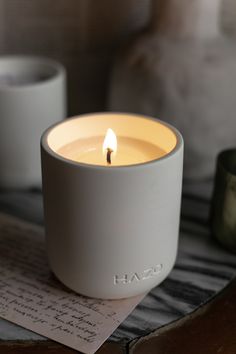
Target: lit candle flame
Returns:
[[110, 141], [110, 145]]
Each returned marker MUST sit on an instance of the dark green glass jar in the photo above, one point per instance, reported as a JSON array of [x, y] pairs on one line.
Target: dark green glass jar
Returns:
[[224, 200]]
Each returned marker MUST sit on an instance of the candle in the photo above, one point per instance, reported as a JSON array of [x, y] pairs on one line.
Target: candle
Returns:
[[137, 141], [112, 191], [129, 151], [32, 97]]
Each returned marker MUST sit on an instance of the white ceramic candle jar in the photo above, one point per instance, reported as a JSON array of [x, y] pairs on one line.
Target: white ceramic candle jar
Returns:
[[32, 97], [112, 217]]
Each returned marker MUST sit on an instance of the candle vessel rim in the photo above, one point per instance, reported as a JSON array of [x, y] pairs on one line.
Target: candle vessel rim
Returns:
[[43, 61], [75, 164]]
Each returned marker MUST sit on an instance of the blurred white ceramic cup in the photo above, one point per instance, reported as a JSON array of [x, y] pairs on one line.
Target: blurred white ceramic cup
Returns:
[[32, 97]]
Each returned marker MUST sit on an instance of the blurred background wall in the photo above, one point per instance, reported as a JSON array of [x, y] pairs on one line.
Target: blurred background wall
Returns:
[[83, 34]]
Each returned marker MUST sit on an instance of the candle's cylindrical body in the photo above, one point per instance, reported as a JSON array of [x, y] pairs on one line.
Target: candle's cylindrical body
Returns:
[[112, 232]]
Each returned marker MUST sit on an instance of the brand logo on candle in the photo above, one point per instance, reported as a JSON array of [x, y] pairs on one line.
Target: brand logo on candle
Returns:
[[146, 274]]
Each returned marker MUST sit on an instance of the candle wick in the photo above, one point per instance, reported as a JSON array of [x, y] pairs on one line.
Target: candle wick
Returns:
[[109, 152]]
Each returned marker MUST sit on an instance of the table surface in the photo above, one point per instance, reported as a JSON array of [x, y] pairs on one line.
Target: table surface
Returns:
[[194, 281]]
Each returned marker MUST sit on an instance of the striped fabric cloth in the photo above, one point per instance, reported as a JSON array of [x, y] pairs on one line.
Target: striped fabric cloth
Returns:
[[203, 267]]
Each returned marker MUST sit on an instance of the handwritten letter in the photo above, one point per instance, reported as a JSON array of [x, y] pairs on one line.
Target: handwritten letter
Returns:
[[31, 297]]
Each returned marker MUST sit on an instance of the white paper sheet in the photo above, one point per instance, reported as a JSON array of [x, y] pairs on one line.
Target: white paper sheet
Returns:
[[31, 297]]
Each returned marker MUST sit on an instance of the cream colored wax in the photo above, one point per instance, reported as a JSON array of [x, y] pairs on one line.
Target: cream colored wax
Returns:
[[130, 151]]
